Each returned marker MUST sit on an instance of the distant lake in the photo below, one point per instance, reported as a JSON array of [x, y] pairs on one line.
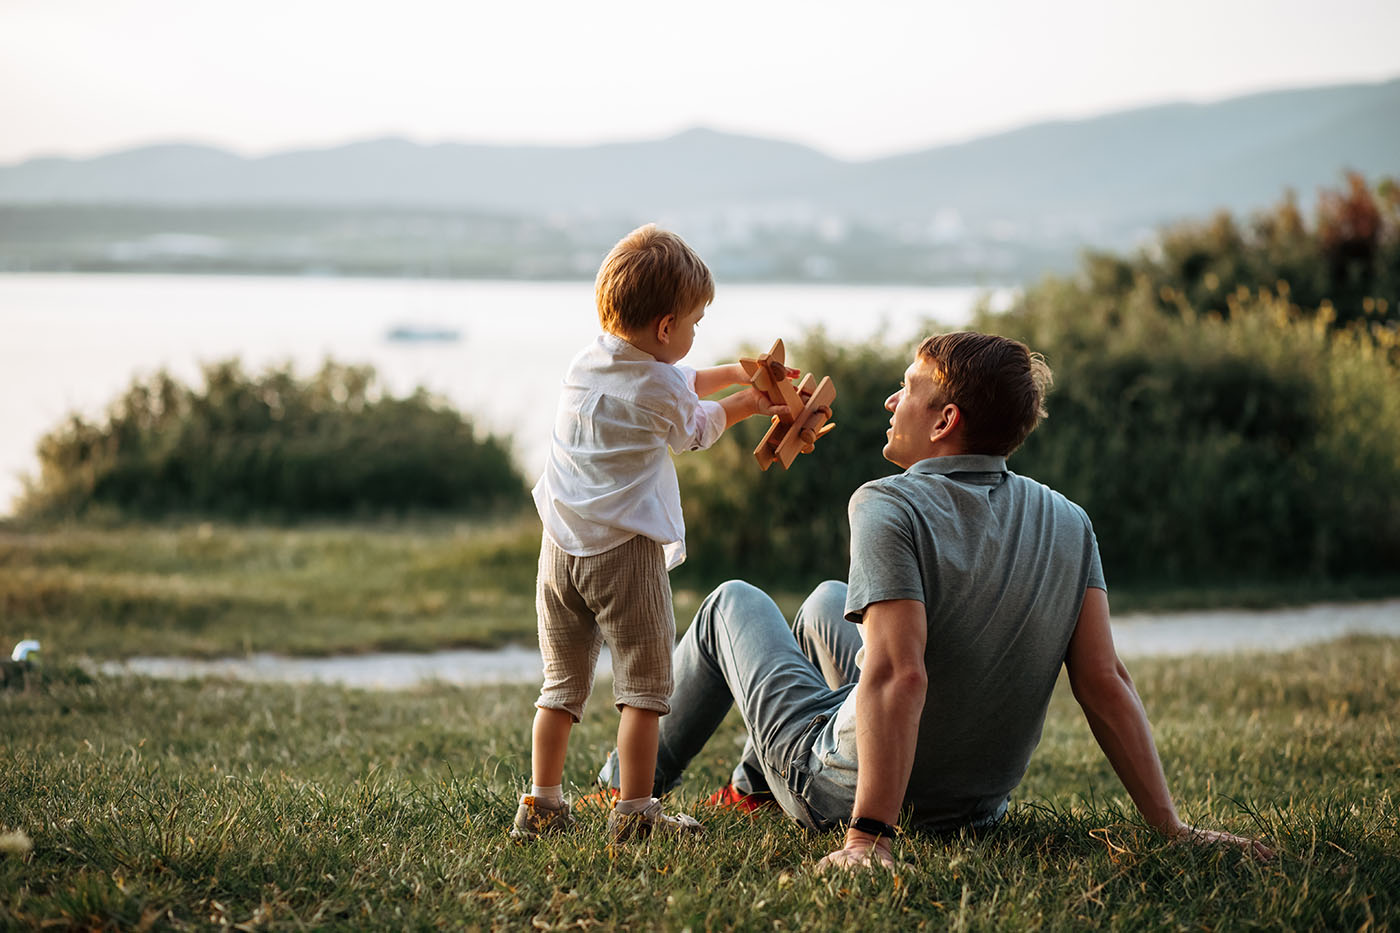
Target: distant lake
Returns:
[[495, 349]]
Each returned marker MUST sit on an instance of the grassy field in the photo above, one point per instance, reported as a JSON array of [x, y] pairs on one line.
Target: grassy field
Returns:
[[201, 589], [155, 805]]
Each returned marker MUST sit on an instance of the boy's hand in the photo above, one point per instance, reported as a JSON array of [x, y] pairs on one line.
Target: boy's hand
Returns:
[[746, 403], [762, 405]]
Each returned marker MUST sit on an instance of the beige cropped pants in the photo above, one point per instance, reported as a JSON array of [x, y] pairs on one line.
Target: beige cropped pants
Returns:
[[623, 597]]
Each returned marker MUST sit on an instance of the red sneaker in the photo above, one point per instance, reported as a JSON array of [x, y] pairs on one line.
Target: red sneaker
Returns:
[[728, 797], [601, 800]]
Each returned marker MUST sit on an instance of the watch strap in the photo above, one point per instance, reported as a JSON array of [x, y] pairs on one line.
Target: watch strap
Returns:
[[874, 827]]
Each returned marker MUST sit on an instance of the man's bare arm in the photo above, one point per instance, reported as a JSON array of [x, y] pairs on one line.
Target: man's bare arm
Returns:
[[889, 704], [1111, 704]]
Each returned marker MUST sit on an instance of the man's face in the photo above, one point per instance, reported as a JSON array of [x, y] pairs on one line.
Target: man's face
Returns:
[[912, 420]]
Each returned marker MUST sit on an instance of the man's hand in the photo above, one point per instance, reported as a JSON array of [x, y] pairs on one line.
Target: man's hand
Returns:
[[1212, 837], [862, 850], [1111, 705]]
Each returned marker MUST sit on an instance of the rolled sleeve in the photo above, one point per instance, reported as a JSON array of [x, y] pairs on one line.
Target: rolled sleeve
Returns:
[[696, 423], [714, 423]]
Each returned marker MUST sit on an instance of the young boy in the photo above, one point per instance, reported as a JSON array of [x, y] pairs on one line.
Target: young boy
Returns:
[[611, 509]]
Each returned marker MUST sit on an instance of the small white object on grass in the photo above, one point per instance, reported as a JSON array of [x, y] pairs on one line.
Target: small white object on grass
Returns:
[[16, 842], [24, 649]]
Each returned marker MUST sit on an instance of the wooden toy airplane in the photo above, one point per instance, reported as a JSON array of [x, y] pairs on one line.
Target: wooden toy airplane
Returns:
[[809, 408]]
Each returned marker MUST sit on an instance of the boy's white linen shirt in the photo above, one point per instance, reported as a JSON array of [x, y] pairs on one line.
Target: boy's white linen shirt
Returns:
[[609, 477]]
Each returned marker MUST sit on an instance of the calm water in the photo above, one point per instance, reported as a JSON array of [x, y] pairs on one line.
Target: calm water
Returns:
[[73, 342], [1136, 636]]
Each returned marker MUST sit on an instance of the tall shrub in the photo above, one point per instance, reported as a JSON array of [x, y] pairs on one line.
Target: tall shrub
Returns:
[[1262, 444], [1209, 448]]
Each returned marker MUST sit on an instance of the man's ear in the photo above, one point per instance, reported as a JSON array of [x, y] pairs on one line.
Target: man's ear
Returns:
[[665, 326], [949, 421]]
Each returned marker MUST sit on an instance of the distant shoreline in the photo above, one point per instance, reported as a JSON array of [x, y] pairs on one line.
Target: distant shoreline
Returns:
[[382, 275]]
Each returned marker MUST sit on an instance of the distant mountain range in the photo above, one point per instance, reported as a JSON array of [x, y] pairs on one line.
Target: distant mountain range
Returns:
[[1086, 177]]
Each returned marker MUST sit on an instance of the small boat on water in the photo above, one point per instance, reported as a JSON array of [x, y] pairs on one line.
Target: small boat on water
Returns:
[[419, 333]]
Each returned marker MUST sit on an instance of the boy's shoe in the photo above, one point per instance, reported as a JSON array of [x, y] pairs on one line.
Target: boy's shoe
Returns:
[[623, 827], [534, 819], [729, 797]]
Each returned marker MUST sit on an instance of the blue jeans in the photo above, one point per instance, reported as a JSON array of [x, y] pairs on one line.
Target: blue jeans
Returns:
[[787, 683]]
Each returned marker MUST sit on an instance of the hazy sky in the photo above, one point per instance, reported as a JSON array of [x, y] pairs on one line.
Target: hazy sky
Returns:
[[857, 79]]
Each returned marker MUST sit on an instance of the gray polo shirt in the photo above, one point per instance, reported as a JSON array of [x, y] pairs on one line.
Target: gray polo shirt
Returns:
[[1001, 564]]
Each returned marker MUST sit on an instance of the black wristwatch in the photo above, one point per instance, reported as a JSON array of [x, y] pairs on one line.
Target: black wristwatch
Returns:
[[874, 827]]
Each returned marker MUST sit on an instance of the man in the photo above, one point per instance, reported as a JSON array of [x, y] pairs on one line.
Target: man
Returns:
[[972, 585]]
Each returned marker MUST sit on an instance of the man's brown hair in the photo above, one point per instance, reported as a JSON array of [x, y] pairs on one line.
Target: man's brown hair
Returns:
[[649, 274], [997, 383]]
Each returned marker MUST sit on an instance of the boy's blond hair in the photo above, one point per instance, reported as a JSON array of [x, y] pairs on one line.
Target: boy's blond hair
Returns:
[[649, 274]]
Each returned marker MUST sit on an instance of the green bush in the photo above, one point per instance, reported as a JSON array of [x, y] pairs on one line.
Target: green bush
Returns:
[[1215, 429], [273, 446], [1209, 448]]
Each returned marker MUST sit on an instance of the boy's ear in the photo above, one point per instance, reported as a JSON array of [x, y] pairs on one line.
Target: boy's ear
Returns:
[[664, 327]]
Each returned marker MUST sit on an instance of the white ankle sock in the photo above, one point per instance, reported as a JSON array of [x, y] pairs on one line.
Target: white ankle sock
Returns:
[[636, 805], [549, 796]]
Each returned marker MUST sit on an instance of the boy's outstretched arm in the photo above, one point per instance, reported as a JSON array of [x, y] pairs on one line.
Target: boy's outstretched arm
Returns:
[[711, 380]]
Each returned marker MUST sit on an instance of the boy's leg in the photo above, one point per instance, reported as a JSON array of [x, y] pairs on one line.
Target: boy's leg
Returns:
[[830, 642], [637, 813], [636, 752], [550, 742], [544, 809], [629, 591], [569, 645], [570, 642]]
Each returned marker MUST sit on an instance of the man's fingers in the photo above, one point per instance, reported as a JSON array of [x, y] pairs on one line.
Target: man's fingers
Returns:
[[855, 858], [1213, 837], [844, 859]]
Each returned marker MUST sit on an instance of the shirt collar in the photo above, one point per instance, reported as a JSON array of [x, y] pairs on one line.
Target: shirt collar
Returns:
[[961, 463], [621, 349]]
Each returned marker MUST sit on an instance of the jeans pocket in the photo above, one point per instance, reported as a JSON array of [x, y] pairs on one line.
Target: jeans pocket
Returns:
[[803, 780]]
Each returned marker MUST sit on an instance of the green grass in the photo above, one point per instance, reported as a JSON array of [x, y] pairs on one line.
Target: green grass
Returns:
[[203, 804], [203, 589]]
